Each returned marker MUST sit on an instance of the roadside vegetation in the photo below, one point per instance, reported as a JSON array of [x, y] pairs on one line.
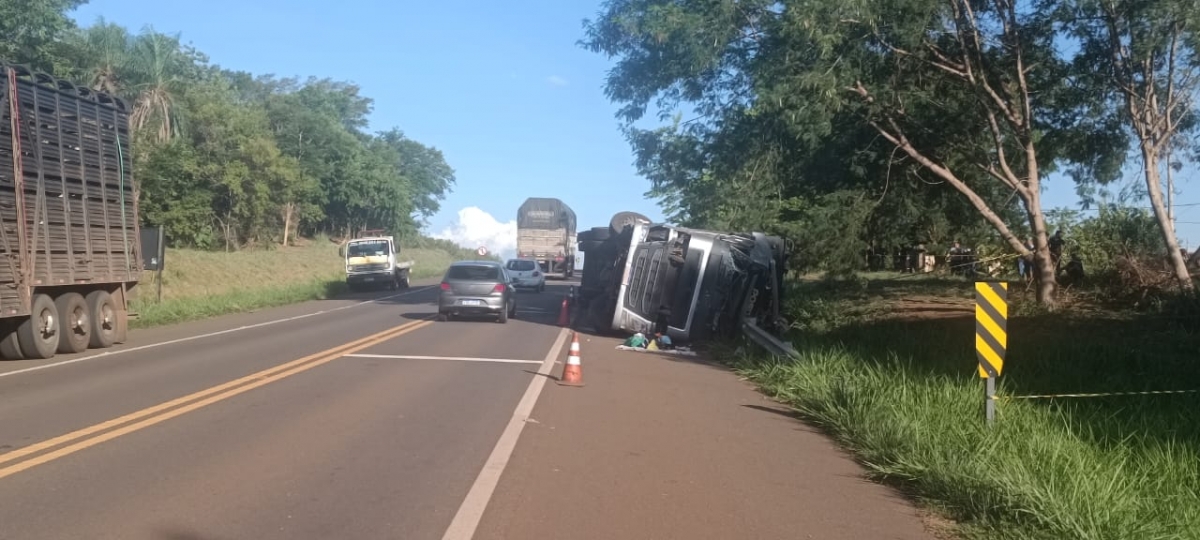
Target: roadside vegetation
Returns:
[[887, 367], [198, 284]]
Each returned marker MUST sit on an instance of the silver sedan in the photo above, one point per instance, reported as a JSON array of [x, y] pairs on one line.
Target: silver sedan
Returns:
[[477, 288]]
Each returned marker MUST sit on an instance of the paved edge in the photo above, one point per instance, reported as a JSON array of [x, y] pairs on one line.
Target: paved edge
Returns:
[[466, 520]]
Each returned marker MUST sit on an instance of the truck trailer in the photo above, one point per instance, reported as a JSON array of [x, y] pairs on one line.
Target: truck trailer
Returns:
[[68, 217], [546, 234]]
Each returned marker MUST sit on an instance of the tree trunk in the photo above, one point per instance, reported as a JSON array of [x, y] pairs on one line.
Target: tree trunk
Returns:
[[1154, 186], [287, 222], [1043, 264]]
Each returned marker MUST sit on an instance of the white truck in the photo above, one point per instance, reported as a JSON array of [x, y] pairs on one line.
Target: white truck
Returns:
[[373, 261]]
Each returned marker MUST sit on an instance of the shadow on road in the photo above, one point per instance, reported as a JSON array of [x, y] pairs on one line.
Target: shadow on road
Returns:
[[174, 534]]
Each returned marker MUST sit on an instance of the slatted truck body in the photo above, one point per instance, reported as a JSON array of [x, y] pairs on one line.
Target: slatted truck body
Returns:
[[546, 234], [68, 217]]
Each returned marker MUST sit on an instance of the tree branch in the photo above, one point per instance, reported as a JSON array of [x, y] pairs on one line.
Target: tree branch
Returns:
[[895, 135]]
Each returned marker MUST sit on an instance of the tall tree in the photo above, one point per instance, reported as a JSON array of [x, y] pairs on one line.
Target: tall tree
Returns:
[[971, 93], [424, 168], [1152, 71], [34, 32]]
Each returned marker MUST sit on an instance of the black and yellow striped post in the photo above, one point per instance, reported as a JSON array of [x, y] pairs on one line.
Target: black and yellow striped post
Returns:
[[991, 336]]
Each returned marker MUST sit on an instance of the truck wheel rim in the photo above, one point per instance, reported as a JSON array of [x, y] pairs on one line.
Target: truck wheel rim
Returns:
[[79, 320], [48, 325]]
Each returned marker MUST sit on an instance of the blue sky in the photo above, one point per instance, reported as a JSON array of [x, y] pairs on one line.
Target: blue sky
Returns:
[[500, 88]]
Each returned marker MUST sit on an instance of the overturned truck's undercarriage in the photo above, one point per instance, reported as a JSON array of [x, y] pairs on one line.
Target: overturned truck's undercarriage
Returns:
[[689, 284]]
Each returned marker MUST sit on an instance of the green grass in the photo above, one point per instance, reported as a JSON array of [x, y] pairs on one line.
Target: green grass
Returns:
[[887, 367], [200, 284]]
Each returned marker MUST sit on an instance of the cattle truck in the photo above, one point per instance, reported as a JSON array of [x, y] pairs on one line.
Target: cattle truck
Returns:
[[68, 217], [546, 234]]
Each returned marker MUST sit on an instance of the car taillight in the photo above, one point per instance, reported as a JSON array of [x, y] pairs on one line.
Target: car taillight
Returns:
[[445, 286], [498, 288]]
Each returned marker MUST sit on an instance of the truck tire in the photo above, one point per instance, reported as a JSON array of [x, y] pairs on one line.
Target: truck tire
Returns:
[[36, 343], [102, 311], [10, 347], [620, 220], [74, 323], [599, 234]]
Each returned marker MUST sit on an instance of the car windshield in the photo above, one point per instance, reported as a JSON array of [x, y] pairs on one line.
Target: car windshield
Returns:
[[368, 249], [471, 272], [521, 265]]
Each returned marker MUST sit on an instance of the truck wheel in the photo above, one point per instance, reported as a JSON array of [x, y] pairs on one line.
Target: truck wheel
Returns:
[[74, 324], [620, 220], [38, 334], [103, 314], [10, 347], [599, 234]]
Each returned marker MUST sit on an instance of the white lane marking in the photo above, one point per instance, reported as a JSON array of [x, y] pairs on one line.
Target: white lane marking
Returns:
[[466, 520], [455, 358], [210, 334]]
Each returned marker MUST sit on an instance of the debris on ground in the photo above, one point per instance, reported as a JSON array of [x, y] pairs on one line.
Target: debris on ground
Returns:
[[661, 343]]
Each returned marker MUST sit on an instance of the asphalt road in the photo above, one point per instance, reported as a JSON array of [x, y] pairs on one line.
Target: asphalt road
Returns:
[[344, 418]]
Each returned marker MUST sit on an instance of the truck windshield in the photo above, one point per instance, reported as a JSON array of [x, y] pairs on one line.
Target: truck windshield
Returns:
[[367, 249], [521, 265]]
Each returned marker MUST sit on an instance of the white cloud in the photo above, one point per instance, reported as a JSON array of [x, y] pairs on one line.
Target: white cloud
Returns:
[[556, 80], [475, 228]]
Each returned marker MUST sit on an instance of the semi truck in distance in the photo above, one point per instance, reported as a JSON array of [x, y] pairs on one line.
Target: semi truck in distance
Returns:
[[375, 261], [546, 234], [68, 217]]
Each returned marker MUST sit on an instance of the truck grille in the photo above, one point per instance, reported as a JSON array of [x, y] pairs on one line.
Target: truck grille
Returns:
[[377, 267]]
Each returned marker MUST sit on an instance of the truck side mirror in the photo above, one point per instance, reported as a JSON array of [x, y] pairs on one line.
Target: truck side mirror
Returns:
[[342, 251]]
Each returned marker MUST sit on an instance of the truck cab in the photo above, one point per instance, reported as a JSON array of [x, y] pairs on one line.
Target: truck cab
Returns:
[[690, 284], [374, 261]]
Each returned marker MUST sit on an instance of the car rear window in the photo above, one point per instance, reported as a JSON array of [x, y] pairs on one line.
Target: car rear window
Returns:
[[474, 273], [521, 265]]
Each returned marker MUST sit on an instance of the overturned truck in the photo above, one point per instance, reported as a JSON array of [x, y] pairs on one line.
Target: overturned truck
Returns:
[[689, 284]]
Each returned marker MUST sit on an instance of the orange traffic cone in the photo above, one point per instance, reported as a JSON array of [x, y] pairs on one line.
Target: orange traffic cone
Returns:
[[564, 317], [572, 373]]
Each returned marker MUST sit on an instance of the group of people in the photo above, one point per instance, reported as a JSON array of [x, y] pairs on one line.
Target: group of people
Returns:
[[1072, 271]]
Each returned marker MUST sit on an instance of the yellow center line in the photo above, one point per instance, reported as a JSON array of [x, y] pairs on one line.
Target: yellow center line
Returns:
[[150, 416]]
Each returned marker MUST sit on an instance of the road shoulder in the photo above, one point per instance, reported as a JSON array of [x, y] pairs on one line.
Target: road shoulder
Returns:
[[660, 447]]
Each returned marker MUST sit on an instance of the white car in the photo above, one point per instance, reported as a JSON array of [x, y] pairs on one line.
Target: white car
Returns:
[[525, 274]]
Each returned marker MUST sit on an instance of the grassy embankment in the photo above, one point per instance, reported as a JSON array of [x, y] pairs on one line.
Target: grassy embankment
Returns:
[[200, 284], [888, 369]]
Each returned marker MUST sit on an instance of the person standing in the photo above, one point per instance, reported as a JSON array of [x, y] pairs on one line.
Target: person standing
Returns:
[[1056, 249]]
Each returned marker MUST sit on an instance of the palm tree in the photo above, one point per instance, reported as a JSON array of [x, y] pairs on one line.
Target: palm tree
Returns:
[[106, 47], [161, 68], [150, 70]]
